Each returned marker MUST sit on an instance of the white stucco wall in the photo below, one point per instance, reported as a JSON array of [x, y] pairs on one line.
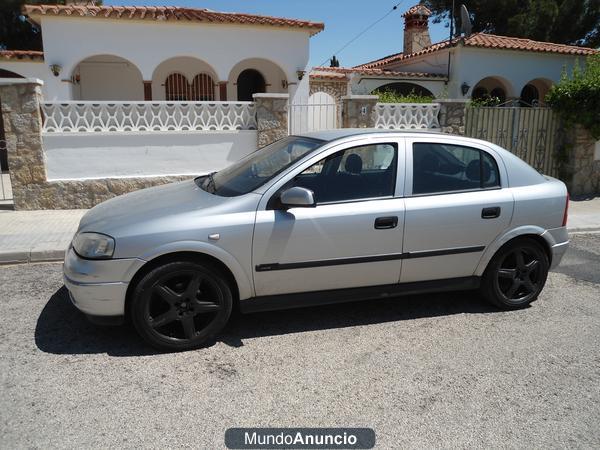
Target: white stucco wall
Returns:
[[70, 40], [31, 69], [78, 156], [516, 68]]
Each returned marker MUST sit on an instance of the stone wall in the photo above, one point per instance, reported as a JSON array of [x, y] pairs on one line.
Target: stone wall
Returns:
[[271, 117], [31, 190], [336, 88], [582, 168], [452, 116], [357, 111]]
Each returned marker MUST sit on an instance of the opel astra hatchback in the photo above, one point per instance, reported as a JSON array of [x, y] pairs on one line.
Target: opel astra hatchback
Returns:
[[320, 218]]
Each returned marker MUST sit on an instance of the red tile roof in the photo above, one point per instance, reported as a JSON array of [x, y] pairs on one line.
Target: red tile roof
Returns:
[[21, 54], [375, 72], [169, 13], [484, 40]]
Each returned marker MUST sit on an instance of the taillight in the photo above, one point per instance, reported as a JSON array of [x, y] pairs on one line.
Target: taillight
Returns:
[[566, 214]]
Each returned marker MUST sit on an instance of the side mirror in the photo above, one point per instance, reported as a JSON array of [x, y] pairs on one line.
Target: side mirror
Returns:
[[298, 197]]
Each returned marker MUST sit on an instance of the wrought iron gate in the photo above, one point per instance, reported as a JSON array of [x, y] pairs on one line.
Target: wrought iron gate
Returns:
[[533, 134]]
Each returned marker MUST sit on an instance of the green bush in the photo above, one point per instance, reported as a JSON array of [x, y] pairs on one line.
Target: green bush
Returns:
[[577, 98], [486, 101], [389, 96]]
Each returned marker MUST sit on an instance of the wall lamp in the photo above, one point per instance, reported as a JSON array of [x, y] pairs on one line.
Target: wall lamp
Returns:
[[464, 88], [55, 69], [300, 74]]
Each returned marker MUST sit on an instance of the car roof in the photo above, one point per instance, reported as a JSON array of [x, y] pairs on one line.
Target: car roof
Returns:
[[331, 135]]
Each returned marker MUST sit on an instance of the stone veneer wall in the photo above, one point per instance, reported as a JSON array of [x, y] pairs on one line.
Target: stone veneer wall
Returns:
[[31, 190], [452, 116], [358, 111], [271, 117], [582, 170]]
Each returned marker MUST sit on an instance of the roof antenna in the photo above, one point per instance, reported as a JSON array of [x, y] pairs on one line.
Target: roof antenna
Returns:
[[465, 21]]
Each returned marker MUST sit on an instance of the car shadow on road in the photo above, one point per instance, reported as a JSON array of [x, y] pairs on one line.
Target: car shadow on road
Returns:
[[62, 329]]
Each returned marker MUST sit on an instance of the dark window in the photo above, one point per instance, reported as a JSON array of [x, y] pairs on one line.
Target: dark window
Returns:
[[249, 82], [530, 96], [367, 171], [439, 168]]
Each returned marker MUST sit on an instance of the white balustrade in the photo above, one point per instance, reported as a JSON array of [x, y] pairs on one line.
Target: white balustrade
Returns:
[[398, 116], [91, 116]]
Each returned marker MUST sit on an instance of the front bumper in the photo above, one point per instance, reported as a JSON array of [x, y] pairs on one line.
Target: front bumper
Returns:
[[99, 287]]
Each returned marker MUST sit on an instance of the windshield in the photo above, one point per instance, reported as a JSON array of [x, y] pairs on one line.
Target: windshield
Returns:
[[259, 167]]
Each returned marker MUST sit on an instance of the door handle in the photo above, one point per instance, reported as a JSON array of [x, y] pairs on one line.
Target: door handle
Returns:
[[385, 223], [490, 213]]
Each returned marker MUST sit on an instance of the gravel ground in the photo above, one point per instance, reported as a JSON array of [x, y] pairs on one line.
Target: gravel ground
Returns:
[[423, 371]]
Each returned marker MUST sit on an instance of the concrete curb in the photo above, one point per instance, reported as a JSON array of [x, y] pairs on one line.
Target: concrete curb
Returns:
[[32, 256]]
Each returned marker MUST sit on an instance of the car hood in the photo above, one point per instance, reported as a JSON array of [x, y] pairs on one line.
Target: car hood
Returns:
[[147, 205]]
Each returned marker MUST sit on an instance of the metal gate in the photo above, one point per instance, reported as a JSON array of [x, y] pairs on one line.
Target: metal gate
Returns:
[[318, 112], [5, 187], [533, 134]]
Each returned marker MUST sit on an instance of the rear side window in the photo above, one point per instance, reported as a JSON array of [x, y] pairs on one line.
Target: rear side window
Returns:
[[440, 168]]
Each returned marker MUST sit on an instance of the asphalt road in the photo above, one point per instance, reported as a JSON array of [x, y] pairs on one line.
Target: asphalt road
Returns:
[[424, 371]]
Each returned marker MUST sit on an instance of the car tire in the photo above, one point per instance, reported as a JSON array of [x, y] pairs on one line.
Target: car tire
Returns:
[[516, 274], [181, 305]]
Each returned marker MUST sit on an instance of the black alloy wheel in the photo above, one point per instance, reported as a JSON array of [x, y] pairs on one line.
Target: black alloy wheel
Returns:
[[181, 305], [516, 275]]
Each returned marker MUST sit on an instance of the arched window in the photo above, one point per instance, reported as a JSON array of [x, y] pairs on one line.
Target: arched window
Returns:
[[177, 88], [203, 88], [530, 95], [249, 82]]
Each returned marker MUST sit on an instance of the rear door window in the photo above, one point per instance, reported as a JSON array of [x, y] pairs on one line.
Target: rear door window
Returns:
[[441, 168]]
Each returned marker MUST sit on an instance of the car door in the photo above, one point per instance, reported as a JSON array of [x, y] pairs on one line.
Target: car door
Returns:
[[352, 238], [457, 203]]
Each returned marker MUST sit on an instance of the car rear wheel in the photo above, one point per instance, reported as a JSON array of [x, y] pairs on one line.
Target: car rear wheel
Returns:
[[181, 305], [516, 274]]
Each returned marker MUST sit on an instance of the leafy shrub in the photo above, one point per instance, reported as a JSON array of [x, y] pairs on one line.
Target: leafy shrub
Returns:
[[485, 101], [389, 96], [577, 98]]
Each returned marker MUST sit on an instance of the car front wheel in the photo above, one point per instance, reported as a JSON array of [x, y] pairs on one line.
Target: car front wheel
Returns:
[[181, 305], [516, 274]]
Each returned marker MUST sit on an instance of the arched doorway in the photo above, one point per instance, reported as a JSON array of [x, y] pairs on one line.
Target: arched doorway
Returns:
[[405, 89], [534, 92], [494, 90], [249, 82], [107, 77], [8, 74]]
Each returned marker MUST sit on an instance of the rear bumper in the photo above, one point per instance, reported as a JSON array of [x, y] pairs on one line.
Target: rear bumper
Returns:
[[558, 240]]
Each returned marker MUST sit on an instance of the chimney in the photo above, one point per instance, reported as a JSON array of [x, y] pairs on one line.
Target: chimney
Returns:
[[416, 29]]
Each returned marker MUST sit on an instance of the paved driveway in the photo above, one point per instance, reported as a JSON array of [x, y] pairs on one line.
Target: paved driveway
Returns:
[[432, 370]]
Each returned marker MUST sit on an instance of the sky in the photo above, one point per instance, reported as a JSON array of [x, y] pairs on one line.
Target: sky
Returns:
[[343, 19]]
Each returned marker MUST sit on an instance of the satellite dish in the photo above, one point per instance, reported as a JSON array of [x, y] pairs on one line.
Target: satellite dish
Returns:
[[465, 21]]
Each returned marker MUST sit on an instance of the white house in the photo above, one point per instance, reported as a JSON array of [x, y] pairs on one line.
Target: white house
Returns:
[[131, 53], [474, 66]]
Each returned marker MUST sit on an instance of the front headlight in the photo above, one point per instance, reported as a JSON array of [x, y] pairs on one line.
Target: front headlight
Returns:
[[94, 245]]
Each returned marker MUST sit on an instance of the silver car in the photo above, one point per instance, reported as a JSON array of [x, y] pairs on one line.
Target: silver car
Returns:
[[325, 217]]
